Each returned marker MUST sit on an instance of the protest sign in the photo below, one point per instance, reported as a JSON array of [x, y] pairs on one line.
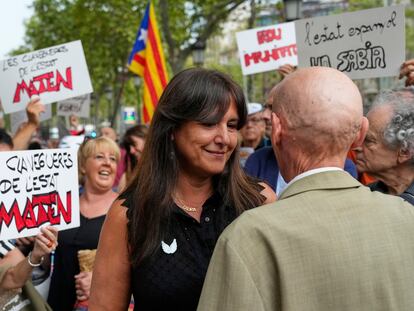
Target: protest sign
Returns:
[[78, 106], [17, 118], [267, 48], [55, 73], [363, 44], [37, 188]]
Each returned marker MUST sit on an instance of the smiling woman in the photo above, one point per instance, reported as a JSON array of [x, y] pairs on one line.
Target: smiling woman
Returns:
[[97, 164], [159, 237]]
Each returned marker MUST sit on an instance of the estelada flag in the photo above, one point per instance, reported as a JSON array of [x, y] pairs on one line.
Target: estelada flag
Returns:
[[147, 60]]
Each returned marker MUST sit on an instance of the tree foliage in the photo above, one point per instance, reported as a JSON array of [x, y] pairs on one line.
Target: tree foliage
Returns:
[[185, 23], [107, 29]]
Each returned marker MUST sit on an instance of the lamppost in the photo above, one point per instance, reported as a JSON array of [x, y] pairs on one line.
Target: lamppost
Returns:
[[293, 9], [198, 53], [137, 83]]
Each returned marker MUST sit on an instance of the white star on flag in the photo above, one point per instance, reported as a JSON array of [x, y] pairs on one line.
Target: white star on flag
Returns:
[[143, 35]]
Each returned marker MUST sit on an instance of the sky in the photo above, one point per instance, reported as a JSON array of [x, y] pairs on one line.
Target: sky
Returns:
[[12, 16]]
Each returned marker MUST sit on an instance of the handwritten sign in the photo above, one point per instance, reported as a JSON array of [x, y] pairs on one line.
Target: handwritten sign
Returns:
[[17, 118], [78, 106], [363, 44], [267, 48], [55, 73], [38, 187]]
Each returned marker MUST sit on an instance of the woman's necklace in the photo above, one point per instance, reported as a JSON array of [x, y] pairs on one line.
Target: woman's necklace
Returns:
[[185, 206]]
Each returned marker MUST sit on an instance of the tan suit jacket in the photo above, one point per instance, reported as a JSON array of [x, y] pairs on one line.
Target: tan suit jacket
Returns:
[[329, 243]]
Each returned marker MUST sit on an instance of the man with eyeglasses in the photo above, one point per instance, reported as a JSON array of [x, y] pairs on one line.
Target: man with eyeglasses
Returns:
[[254, 130]]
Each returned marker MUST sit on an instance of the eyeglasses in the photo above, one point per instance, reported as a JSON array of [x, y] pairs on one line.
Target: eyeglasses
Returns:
[[254, 120], [267, 106]]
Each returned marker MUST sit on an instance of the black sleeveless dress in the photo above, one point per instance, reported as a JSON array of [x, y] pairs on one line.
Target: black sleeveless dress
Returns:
[[173, 278]]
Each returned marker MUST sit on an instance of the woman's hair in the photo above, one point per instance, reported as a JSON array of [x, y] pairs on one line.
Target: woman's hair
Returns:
[[90, 147], [199, 95], [131, 161], [5, 138], [399, 132]]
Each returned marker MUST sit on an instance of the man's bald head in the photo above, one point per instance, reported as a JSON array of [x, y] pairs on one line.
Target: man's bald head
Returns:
[[108, 132], [320, 108]]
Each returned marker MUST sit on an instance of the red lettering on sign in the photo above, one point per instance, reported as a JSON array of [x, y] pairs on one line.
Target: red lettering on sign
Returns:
[[269, 35], [44, 83], [268, 55], [49, 208]]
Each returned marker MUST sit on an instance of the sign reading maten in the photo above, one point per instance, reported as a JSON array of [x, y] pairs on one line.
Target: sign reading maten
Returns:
[[55, 73], [38, 187], [363, 44], [267, 48]]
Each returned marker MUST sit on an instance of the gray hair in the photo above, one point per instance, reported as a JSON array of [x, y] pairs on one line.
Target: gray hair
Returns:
[[399, 132]]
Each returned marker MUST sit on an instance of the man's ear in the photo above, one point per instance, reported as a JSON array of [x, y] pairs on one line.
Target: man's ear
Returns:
[[276, 129], [403, 156], [361, 134]]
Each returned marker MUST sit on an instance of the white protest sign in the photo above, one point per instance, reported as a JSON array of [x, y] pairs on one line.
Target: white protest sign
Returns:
[[37, 188], [267, 48], [17, 118], [55, 73], [363, 44], [78, 106]]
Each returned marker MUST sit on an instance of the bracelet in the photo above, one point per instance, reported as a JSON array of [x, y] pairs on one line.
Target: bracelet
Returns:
[[34, 264]]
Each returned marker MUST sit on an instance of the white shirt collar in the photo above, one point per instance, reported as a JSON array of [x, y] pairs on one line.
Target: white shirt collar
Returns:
[[308, 173]]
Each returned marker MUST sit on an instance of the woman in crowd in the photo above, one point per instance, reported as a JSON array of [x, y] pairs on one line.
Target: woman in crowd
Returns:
[[133, 143], [16, 270], [97, 163], [159, 236]]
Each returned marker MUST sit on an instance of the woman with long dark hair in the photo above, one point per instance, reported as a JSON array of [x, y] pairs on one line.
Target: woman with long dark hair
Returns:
[[133, 143], [159, 236]]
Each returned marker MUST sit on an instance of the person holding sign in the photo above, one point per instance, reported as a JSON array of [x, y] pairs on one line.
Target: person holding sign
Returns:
[[97, 164], [407, 71], [33, 110], [15, 271], [158, 237], [21, 139]]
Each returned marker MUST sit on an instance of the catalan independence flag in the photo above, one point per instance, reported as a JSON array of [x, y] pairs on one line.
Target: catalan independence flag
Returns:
[[147, 61]]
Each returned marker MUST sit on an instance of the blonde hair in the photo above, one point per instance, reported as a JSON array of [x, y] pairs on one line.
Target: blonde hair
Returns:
[[90, 147]]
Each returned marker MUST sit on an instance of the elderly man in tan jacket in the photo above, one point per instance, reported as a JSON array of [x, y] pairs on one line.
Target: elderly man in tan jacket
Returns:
[[329, 243]]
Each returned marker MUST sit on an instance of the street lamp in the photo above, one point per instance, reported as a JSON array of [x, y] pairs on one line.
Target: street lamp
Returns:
[[198, 53], [293, 9], [137, 81]]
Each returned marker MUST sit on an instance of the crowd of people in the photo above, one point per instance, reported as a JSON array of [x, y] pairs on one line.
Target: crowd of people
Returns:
[[220, 204]]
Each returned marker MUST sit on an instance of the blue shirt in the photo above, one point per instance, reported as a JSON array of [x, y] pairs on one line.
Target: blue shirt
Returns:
[[263, 165]]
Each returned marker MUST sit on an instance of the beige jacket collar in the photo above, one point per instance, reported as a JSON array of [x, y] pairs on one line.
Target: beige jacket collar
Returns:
[[321, 181]]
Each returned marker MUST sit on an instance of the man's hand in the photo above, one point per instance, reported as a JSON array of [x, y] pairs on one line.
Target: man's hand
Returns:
[[33, 110], [45, 242], [285, 70], [407, 70]]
